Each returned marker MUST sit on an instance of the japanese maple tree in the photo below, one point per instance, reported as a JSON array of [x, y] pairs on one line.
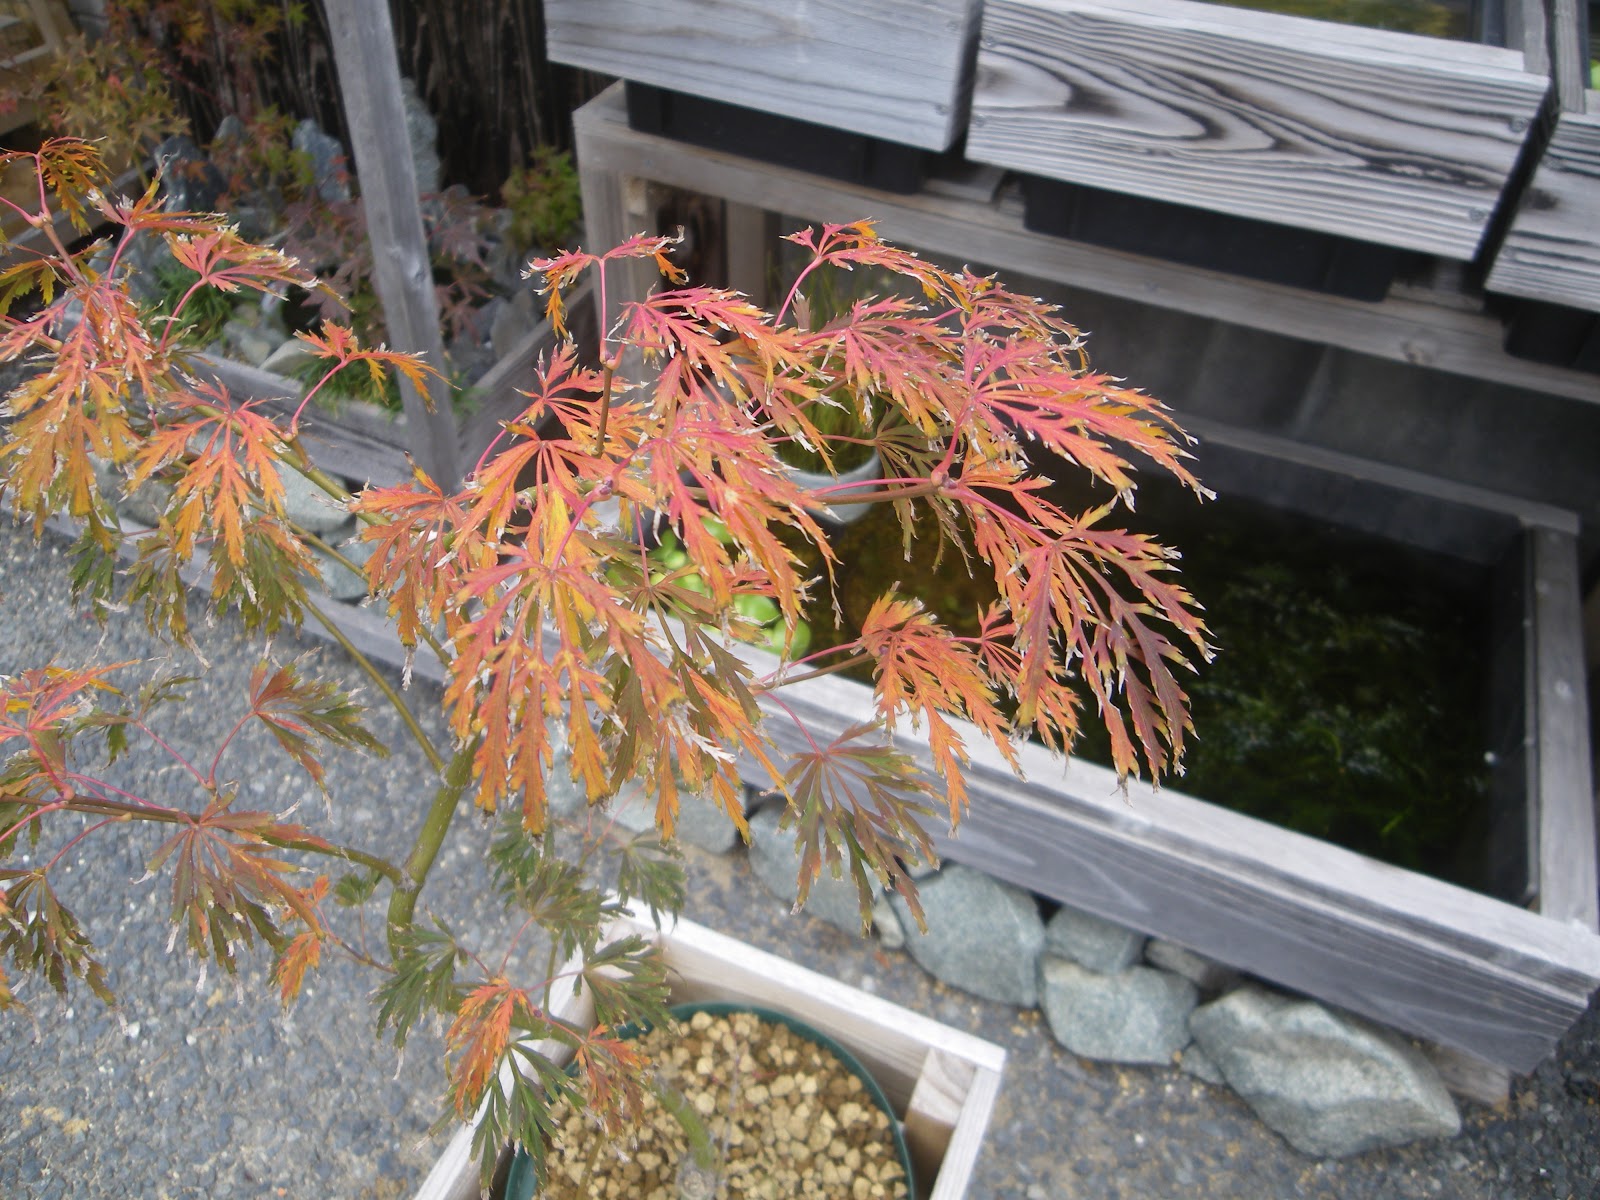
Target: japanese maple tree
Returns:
[[559, 629]]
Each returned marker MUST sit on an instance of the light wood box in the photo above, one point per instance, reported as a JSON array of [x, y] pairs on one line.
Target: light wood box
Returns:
[[941, 1082]]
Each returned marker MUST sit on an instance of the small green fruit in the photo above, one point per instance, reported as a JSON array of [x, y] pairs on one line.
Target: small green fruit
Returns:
[[763, 610]]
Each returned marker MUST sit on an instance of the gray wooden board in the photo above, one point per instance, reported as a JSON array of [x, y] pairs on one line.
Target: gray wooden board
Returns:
[[894, 69], [1552, 250], [1567, 878], [1391, 138], [362, 38], [1412, 952], [1424, 334]]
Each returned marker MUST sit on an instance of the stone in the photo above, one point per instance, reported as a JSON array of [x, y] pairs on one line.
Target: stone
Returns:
[[1329, 1083], [338, 581], [886, 924], [246, 342], [288, 358], [777, 867], [1197, 1063], [701, 822], [1139, 1015], [190, 182], [422, 131], [311, 508], [330, 166], [513, 321], [984, 936], [1209, 976], [1092, 941]]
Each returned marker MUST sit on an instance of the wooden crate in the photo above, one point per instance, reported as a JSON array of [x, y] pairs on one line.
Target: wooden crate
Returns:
[[941, 1083], [894, 69], [1495, 979], [1384, 137], [1552, 250]]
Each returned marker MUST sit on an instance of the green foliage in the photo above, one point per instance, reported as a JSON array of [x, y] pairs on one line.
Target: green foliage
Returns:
[[543, 199]]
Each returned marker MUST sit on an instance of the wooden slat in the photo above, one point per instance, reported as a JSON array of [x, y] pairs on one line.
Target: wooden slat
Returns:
[[1435, 960], [1567, 879], [1391, 138], [1569, 56], [1466, 343], [362, 38], [894, 69], [1552, 250]]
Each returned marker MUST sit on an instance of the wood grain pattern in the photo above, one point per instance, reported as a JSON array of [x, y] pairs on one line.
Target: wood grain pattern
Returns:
[[1567, 879], [1445, 338], [1391, 138], [894, 69], [362, 39], [1552, 251]]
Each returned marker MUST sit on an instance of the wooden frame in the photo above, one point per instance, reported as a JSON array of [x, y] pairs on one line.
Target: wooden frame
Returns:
[[894, 69], [1392, 138], [616, 163], [941, 1082], [1451, 966]]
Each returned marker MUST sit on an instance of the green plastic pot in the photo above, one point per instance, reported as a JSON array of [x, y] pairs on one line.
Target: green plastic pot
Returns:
[[521, 1183]]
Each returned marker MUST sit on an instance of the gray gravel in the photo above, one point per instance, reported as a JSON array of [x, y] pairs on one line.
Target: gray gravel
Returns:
[[205, 1089]]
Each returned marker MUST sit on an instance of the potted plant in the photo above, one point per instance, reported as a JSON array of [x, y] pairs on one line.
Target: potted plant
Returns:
[[553, 629]]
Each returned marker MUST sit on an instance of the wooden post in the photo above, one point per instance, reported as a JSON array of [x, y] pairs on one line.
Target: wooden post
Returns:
[[369, 78]]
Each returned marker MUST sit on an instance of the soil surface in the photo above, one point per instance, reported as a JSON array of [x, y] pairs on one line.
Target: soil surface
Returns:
[[200, 1087]]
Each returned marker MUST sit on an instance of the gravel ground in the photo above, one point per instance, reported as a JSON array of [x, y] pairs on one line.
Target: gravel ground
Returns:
[[203, 1088]]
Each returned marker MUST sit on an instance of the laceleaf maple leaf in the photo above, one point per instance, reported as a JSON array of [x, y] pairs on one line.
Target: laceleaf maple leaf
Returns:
[[480, 1036], [857, 806], [228, 884], [230, 450], [921, 667], [423, 542], [295, 709], [302, 954]]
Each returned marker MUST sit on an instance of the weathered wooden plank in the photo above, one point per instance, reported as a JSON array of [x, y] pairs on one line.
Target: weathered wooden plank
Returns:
[[1391, 138], [362, 38], [1444, 338], [1552, 250], [1569, 57], [1567, 879], [894, 69], [1435, 960]]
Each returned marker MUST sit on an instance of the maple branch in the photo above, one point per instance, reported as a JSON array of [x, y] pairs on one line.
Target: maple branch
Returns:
[[348, 853], [430, 838], [605, 408], [773, 681], [435, 760]]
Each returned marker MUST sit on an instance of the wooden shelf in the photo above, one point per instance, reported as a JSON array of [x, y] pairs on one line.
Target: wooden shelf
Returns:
[[1450, 336]]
